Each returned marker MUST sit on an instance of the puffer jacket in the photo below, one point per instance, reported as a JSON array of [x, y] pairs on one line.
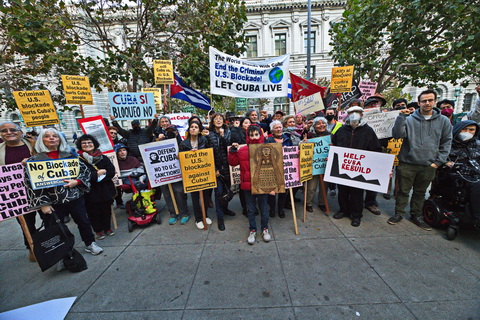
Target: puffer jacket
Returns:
[[463, 151], [203, 143], [220, 154]]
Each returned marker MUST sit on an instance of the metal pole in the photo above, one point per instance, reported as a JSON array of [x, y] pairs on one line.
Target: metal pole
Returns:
[[309, 29]]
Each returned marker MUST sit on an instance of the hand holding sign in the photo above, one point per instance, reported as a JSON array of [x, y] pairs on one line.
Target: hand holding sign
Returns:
[[70, 183]]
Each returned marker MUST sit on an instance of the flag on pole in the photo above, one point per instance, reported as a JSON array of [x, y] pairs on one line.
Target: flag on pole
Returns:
[[181, 91], [302, 88]]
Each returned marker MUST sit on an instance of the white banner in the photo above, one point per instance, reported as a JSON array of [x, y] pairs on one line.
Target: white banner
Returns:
[[309, 104], [131, 105], [161, 162], [234, 77], [181, 121], [381, 122], [359, 168]]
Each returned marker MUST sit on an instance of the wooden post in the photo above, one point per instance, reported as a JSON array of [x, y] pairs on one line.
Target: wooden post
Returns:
[[324, 193], [305, 202], [26, 232], [204, 214], [293, 212], [114, 218], [164, 98], [170, 188]]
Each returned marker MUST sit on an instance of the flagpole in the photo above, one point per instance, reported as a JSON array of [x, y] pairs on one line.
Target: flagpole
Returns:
[[309, 30]]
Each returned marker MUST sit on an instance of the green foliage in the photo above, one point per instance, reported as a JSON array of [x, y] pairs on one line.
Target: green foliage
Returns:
[[392, 93], [420, 42]]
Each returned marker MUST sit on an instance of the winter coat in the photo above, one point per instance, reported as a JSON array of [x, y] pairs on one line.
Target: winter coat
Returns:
[[463, 151], [287, 142], [135, 138], [238, 135], [220, 154], [362, 137], [203, 143], [104, 190], [424, 141]]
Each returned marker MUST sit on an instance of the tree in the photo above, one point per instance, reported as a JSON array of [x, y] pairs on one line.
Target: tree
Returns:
[[420, 42]]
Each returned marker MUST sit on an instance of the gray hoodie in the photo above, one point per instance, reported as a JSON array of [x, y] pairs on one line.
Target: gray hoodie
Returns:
[[424, 141]]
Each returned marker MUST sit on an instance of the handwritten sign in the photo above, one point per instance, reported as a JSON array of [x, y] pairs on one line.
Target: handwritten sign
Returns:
[[393, 147], [12, 192], [367, 88], [161, 162], [163, 71], [36, 107], [306, 161], [309, 104], [198, 170], [77, 90], [291, 167], [359, 168], [342, 78], [112, 156], [320, 153], [51, 173], [235, 170], [131, 105], [381, 122]]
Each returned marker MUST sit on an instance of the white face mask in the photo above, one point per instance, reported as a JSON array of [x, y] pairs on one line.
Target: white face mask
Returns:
[[354, 116], [465, 136]]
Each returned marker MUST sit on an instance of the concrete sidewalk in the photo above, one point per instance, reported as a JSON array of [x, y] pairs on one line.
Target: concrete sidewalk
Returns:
[[330, 270]]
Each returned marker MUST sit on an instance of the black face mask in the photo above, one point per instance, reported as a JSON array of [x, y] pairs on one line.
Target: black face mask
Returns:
[[170, 135], [329, 117]]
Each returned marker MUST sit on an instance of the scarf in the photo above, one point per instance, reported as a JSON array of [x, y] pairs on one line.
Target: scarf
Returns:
[[93, 158]]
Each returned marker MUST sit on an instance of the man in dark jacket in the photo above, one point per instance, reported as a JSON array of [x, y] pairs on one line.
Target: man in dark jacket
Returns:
[[135, 136], [357, 135]]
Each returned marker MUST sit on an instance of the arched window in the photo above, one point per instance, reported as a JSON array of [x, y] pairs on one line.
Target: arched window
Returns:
[[78, 115], [15, 118]]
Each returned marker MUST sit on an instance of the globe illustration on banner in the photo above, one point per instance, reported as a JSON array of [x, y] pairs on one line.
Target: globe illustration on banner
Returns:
[[276, 75]]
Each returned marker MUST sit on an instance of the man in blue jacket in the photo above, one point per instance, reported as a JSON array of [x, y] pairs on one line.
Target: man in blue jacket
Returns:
[[427, 139]]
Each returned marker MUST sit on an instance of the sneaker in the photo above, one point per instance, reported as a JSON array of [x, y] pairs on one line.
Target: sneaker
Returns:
[[110, 233], [60, 266], [100, 235], [333, 193], [251, 237], [266, 236], [200, 225], [209, 221], [374, 210], [94, 249], [420, 223], [184, 220], [172, 221], [395, 219], [121, 206]]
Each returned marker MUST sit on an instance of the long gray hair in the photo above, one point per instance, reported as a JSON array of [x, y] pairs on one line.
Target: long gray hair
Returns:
[[40, 146], [317, 120]]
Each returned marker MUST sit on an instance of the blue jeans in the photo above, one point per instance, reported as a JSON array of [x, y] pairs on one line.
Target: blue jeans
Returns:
[[262, 199]]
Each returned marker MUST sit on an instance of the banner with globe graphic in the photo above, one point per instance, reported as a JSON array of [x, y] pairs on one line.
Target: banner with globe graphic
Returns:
[[235, 77]]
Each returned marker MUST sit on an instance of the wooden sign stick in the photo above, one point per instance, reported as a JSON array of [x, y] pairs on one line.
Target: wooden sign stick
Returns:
[[293, 211], [305, 202], [204, 214], [324, 194], [114, 218], [170, 188]]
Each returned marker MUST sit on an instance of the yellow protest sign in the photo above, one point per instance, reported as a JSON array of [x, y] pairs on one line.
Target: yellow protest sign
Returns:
[[306, 161], [163, 71], [77, 90], [36, 107], [198, 170], [50, 173], [342, 78], [393, 147], [157, 97]]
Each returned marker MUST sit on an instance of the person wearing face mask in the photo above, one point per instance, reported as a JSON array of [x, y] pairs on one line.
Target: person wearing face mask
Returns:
[[332, 123], [466, 148], [357, 135]]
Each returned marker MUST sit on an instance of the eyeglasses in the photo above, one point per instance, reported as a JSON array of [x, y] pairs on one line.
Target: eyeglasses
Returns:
[[12, 130], [87, 142], [429, 100]]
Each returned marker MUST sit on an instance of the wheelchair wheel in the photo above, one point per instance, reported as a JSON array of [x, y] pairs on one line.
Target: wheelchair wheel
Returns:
[[452, 233], [158, 220], [432, 213], [131, 224]]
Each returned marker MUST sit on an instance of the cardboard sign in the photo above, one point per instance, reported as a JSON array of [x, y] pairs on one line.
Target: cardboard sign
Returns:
[[112, 156], [381, 122], [367, 88], [161, 162], [163, 71], [320, 153], [235, 171], [393, 147], [77, 90], [309, 104], [291, 167], [96, 127], [36, 107], [359, 168], [131, 105], [266, 168], [306, 161], [198, 170], [157, 97], [234, 77], [12, 192], [51, 173], [342, 78]]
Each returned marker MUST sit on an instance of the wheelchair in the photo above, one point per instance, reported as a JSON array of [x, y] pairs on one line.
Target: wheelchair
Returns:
[[449, 203]]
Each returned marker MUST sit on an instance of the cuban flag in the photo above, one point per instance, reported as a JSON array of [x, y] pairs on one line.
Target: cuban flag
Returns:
[[181, 91]]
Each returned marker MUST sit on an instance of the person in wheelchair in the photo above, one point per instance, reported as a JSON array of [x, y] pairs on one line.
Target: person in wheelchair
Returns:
[[130, 167], [464, 164]]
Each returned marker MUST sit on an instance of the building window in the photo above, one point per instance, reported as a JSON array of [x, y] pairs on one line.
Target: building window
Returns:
[[312, 41], [16, 119], [280, 44], [252, 47], [281, 103], [467, 102], [312, 72], [78, 115], [439, 94]]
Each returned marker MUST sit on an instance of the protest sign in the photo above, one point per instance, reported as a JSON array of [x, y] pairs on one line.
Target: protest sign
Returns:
[[393, 147], [235, 171], [367, 88], [266, 168], [163, 71], [333, 99], [161, 162], [198, 170], [96, 127], [51, 173], [12, 192], [234, 77], [241, 104], [306, 161], [359, 168], [291, 167], [131, 105], [181, 121], [157, 97], [36, 107], [77, 90], [309, 104], [342, 78], [381, 122], [112, 156], [320, 153]]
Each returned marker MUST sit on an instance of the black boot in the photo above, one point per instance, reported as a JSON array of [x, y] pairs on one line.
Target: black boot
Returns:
[[221, 224], [272, 213], [281, 214]]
